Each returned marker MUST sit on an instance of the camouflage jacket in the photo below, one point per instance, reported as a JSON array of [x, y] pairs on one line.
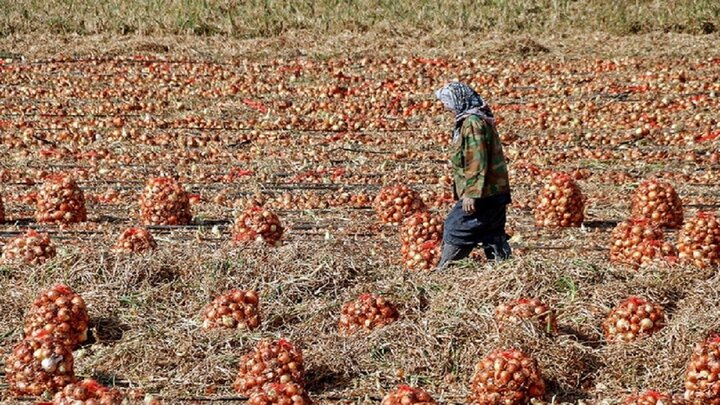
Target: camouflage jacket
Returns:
[[479, 168]]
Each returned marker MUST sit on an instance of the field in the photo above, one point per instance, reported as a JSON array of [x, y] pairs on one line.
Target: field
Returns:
[[313, 127]]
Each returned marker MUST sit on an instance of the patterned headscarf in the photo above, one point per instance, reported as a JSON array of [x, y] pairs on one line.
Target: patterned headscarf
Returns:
[[464, 101]]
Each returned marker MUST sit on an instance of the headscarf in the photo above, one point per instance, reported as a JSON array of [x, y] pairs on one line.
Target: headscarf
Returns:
[[464, 101]]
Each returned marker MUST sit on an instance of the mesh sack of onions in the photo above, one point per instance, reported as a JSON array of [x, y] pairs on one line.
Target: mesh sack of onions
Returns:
[[632, 319], [235, 309], [561, 203], [395, 203], [650, 398], [59, 312], [135, 240], [699, 241], [269, 362], [87, 392], [367, 312], [657, 202], [39, 365], [421, 241], [628, 236], [406, 395], [281, 394], [60, 200], [649, 252], [165, 202], [506, 377], [513, 312], [257, 224], [30, 248], [702, 378]]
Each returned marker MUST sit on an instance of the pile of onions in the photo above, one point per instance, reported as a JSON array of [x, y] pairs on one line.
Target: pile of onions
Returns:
[[649, 398], [235, 309], [632, 319], [87, 392], [421, 237], [395, 203], [506, 377], [627, 238], [59, 312], [657, 202], [702, 378], [281, 394], [165, 202], [60, 200], [561, 203], [699, 241], [135, 240], [406, 395], [257, 224], [515, 311], [39, 365], [269, 362], [367, 312], [30, 248]]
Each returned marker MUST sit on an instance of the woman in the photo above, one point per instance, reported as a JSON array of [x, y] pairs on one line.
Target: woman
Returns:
[[480, 178]]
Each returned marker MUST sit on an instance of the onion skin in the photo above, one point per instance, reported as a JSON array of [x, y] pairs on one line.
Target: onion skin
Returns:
[[699, 241], [257, 224], [395, 203], [506, 377], [32, 248], [165, 202], [659, 203], [406, 395], [60, 200], [513, 312], [560, 204], [235, 309], [281, 394], [270, 362], [702, 382], [87, 392], [39, 365], [368, 312], [632, 319], [421, 241], [135, 240]]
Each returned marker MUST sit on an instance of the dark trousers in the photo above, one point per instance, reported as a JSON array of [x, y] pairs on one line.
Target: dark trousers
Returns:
[[486, 228]]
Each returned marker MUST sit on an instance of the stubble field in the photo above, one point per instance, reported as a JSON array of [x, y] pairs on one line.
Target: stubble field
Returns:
[[313, 134]]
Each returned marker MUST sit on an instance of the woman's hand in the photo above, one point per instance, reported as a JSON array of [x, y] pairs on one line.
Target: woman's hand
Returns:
[[468, 205]]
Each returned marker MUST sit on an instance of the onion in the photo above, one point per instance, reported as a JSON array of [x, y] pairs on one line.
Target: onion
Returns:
[[513, 312], [39, 365], [395, 203], [60, 200], [421, 236], [235, 309], [632, 319], [560, 203], [31, 248], [406, 395], [164, 202], [257, 224], [87, 392], [702, 378], [270, 362], [135, 240], [367, 312], [658, 202], [699, 241], [506, 377]]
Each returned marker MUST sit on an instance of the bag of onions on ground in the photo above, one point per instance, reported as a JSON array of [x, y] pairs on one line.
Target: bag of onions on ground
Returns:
[[38, 365], [60, 312], [395, 203], [60, 200], [31, 248], [270, 362]]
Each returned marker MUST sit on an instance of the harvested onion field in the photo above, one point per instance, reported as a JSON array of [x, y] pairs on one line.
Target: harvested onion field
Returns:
[[314, 139]]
